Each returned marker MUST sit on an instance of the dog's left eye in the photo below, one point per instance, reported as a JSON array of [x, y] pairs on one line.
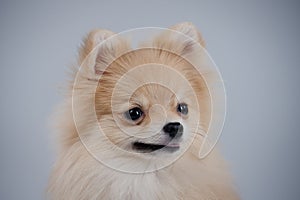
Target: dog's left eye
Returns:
[[134, 114], [182, 108]]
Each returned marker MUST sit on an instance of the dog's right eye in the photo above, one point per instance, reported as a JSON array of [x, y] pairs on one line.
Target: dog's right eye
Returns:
[[134, 114]]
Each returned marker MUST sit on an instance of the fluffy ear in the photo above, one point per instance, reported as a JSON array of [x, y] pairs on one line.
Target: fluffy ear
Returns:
[[100, 48], [181, 39], [190, 30]]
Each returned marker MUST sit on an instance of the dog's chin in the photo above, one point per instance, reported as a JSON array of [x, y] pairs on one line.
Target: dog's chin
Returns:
[[144, 147]]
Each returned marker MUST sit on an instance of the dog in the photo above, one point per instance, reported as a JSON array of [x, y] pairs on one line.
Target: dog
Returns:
[[134, 119]]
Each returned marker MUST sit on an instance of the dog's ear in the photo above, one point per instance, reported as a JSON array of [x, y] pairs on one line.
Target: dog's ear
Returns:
[[100, 48], [190, 30], [182, 39]]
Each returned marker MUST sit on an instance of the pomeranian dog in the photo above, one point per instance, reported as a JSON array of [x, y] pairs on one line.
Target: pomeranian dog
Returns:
[[135, 120]]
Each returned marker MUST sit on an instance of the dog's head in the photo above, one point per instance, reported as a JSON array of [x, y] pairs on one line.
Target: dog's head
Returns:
[[149, 100]]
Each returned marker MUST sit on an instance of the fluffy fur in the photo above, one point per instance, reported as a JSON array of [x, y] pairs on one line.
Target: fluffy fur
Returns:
[[114, 78]]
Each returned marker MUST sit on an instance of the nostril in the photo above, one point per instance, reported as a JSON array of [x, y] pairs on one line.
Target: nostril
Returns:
[[173, 129]]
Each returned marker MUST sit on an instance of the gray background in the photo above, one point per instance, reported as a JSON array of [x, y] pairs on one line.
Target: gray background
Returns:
[[255, 44]]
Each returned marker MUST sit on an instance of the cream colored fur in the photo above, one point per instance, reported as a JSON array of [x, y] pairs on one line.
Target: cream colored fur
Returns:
[[77, 173]]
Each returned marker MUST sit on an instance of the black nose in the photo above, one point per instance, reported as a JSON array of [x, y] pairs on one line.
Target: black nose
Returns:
[[173, 129]]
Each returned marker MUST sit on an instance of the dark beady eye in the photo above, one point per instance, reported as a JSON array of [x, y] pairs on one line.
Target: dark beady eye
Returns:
[[182, 108], [134, 114]]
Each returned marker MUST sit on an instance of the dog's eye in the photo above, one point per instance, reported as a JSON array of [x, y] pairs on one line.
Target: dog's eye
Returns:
[[183, 108], [134, 114]]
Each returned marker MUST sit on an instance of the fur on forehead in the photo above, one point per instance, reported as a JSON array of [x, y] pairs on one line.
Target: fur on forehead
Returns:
[[151, 65]]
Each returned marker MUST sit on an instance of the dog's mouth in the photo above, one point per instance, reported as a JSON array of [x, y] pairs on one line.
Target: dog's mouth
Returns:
[[150, 147]]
